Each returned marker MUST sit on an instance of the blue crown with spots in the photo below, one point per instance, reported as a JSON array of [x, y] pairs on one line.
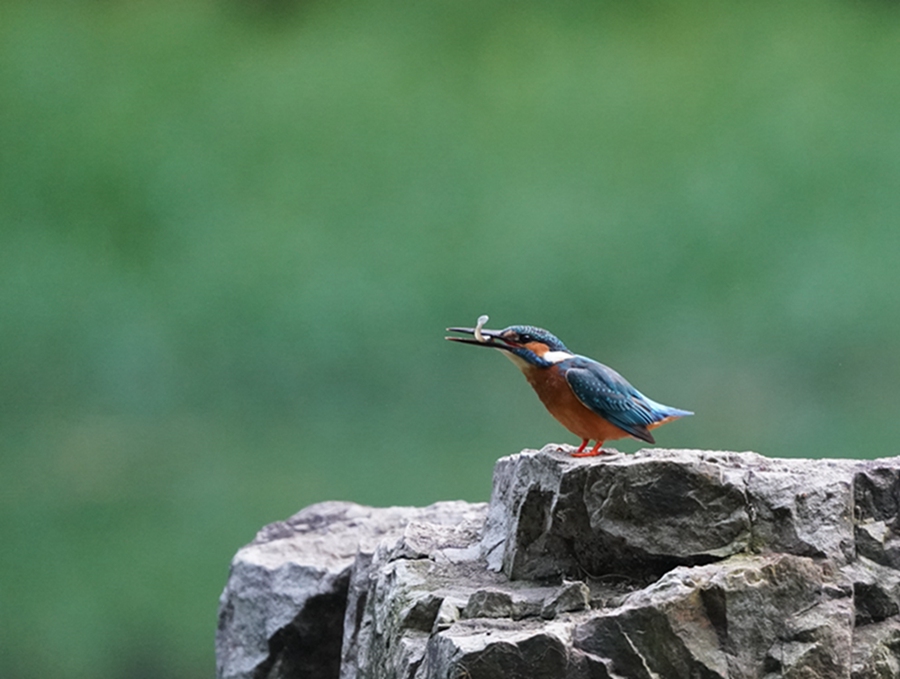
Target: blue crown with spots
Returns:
[[531, 333]]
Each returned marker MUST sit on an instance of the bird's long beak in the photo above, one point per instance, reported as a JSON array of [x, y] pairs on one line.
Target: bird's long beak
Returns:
[[491, 338]]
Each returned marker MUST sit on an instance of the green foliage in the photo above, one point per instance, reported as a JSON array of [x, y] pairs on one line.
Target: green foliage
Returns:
[[231, 236]]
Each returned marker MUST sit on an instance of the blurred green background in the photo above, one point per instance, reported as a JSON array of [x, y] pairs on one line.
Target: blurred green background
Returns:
[[232, 234]]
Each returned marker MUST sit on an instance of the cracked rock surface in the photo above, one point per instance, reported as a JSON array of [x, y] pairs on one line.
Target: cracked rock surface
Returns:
[[662, 564]]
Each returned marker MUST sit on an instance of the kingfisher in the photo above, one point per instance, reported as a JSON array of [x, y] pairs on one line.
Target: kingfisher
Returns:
[[589, 399]]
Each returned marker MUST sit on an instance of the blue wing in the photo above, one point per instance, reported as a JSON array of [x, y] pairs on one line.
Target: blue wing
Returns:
[[605, 392]]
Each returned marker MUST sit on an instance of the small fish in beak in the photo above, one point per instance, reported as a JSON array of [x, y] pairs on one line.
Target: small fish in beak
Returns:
[[478, 326]]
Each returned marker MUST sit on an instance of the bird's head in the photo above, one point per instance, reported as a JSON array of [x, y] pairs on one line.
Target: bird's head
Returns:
[[524, 344]]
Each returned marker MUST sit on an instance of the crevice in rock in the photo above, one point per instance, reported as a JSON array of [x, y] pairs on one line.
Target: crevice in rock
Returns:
[[716, 608], [752, 515], [423, 613], [310, 645]]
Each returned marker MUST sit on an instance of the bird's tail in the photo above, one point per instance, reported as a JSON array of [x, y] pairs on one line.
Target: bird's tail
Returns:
[[667, 412]]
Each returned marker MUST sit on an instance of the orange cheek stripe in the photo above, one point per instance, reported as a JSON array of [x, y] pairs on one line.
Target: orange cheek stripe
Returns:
[[538, 348]]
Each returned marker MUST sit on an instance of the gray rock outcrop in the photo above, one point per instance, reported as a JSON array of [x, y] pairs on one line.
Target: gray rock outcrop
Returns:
[[662, 564]]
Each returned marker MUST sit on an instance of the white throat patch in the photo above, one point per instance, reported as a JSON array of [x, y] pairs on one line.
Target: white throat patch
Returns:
[[549, 356], [557, 356]]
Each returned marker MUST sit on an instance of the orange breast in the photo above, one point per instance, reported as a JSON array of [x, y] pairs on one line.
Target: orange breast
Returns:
[[557, 396]]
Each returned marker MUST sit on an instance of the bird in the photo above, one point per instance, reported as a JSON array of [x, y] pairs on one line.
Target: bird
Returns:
[[588, 398]]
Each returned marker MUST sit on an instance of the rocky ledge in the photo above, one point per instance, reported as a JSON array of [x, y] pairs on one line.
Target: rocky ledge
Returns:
[[658, 565]]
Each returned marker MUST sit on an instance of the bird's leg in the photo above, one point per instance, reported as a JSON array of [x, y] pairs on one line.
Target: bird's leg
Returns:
[[596, 450], [583, 445]]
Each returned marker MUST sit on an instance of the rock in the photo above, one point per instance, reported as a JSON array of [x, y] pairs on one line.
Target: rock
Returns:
[[778, 613], [658, 509], [663, 564], [876, 651], [876, 590], [802, 507], [398, 593], [401, 600], [877, 511], [282, 611], [492, 649], [571, 596]]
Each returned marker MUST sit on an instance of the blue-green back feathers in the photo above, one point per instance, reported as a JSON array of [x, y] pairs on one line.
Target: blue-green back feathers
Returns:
[[605, 392]]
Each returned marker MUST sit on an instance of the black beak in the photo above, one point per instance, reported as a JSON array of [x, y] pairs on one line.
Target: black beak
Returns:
[[492, 338]]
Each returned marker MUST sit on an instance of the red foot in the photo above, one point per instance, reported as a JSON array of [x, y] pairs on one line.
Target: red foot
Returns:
[[596, 450]]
